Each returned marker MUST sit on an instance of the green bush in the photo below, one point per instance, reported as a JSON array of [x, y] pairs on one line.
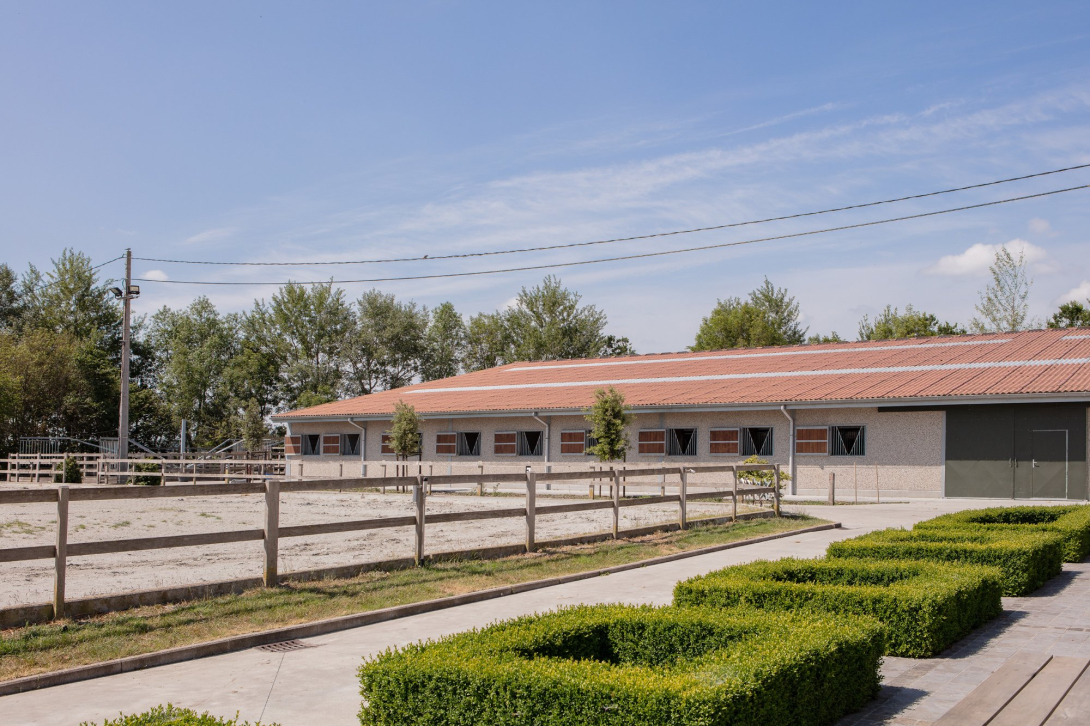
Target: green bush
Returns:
[[1027, 559], [1070, 522], [170, 716], [147, 467], [925, 606], [616, 664]]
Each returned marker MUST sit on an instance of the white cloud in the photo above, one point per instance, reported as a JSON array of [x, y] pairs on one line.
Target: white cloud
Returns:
[[979, 257], [210, 235], [1039, 226], [155, 275], [1079, 294]]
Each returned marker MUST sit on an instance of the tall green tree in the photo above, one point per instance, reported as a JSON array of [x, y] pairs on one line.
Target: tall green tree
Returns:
[[387, 346], [1071, 315], [769, 317], [446, 342], [548, 323], [891, 324], [11, 303], [405, 431], [1004, 303], [194, 348], [610, 419], [488, 342], [305, 328]]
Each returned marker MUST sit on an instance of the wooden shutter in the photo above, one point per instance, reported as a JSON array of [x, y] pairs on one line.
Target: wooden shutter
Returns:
[[331, 444], [446, 444], [505, 443], [387, 450], [293, 445], [573, 442], [812, 440], [724, 441], [652, 441]]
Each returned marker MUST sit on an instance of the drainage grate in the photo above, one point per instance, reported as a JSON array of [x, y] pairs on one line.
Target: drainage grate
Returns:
[[285, 647]]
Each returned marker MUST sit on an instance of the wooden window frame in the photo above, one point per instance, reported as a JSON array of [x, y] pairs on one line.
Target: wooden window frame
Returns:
[[584, 435], [513, 444], [331, 444], [293, 445], [641, 444], [825, 440], [446, 443], [712, 442], [385, 450]]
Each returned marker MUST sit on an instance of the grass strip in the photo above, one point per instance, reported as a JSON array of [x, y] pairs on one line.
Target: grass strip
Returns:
[[66, 644]]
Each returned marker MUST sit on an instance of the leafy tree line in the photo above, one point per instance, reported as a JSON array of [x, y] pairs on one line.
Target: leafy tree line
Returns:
[[225, 373]]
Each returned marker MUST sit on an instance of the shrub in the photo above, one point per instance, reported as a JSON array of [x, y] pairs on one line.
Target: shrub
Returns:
[[146, 480], [617, 664], [925, 606], [1027, 559], [1070, 522], [170, 716]]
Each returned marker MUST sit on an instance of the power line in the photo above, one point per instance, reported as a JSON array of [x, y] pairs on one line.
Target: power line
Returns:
[[615, 239], [637, 256]]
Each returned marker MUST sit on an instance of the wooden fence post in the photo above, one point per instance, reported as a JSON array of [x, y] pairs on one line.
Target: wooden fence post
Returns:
[[531, 508], [832, 487], [418, 499], [683, 485], [61, 557], [480, 482], [776, 489], [734, 505], [616, 502], [272, 532]]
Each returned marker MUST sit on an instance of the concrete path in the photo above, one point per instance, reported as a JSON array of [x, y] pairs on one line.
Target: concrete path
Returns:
[[317, 684]]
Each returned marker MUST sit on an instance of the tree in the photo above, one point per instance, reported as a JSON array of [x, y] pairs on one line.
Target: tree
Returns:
[[547, 323], [305, 329], [487, 342], [610, 420], [195, 347], [1071, 315], [1003, 304], [11, 303], [832, 337], [387, 346], [614, 346], [254, 429], [891, 324], [405, 431], [445, 342], [768, 317]]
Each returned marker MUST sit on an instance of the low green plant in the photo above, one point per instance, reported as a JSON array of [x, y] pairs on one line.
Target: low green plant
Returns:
[[925, 606], [1070, 522], [68, 471], [170, 716], [617, 664], [146, 467], [1027, 559]]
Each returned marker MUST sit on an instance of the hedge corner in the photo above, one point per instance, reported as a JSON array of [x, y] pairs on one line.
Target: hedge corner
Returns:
[[1072, 522]]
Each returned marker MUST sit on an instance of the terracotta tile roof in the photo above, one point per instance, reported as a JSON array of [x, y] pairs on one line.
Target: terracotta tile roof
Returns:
[[1038, 362]]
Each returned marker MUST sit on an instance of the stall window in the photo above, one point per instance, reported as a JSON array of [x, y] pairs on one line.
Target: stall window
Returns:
[[757, 441], [388, 450], [848, 440], [312, 444], [681, 442], [293, 445], [573, 442], [724, 441], [350, 444], [652, 441], [446, 444], [812, 440], [529, 443], [331, 444], [469, 443]]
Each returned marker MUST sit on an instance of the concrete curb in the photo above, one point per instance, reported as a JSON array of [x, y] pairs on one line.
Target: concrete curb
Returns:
[[346, 622]]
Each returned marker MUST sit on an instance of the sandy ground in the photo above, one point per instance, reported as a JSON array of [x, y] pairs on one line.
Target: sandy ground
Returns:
[[33, 524]]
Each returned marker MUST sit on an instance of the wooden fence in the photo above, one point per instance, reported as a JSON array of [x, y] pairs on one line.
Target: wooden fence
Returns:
[[101, 469], [272, 532]]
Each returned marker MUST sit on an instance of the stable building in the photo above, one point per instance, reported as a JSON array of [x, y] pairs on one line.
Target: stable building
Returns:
[[998, 415]]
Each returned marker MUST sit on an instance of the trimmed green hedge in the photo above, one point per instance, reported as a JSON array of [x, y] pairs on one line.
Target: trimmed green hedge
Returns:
[[1070, 522], [1027, 559], [170, 716], [617, 664], [925, 606]]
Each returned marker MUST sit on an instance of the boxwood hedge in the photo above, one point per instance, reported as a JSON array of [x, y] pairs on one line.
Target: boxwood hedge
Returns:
[[1027, 559], [170, 716], [925, 606], [1070, 522], [617, 664]]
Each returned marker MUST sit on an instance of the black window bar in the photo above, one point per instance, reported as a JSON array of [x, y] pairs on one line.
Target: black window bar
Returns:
[[529, 443], [469, 443], [848, 441], [350, 444], [681, 442], [757, 441]]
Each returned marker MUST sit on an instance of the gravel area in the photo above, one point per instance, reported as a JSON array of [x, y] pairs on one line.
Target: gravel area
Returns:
[[33, 524]]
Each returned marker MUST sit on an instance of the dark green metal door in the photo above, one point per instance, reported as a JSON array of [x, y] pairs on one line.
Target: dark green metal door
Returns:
[[1048, 465], [980, 451]]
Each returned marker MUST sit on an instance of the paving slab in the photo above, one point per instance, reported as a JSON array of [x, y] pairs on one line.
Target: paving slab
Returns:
[[317, 684]]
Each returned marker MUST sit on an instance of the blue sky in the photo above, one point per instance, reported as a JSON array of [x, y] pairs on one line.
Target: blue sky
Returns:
[[324, 131]]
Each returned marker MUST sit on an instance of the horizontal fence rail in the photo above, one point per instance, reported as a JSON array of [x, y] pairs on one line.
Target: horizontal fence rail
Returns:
[[274, 489]]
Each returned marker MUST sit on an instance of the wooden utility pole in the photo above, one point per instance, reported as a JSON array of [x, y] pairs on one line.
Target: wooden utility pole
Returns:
[[126, 297]]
